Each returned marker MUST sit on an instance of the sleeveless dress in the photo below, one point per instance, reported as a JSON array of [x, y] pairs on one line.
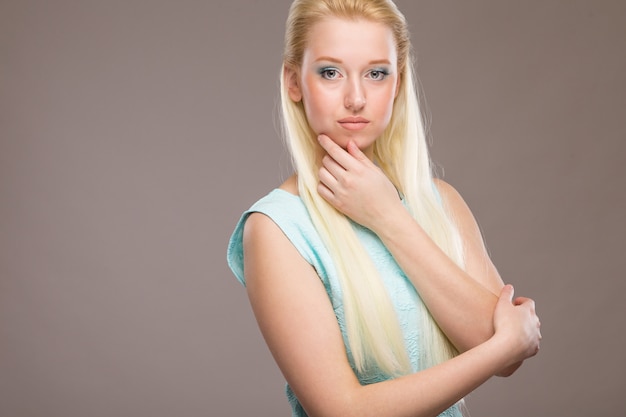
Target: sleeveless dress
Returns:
[[291, 216]]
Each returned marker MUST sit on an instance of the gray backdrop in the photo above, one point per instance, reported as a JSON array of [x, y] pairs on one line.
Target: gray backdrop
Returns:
[[134, 133]]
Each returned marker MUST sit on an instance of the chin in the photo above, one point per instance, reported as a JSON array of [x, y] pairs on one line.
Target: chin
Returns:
[[361, 140]]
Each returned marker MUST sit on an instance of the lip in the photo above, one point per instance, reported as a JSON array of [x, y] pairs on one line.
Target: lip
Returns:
[[353, 123]]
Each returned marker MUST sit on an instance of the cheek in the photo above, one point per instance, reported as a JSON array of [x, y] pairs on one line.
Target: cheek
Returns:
[[384, 104], [318, 105]]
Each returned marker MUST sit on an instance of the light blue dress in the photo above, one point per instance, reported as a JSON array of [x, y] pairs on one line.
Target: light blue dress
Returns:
[[290, 214]]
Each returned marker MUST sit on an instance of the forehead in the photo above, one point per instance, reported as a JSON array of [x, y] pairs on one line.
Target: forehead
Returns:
[[350, 41]]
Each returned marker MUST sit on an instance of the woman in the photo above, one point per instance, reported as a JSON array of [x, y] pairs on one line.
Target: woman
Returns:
[[368, 278]]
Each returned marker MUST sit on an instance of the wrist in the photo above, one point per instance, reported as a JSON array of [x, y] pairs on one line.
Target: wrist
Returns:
[[393, 221], [502, 351]]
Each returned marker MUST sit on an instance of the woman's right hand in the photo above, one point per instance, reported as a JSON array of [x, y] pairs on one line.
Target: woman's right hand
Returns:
[[516, 324]]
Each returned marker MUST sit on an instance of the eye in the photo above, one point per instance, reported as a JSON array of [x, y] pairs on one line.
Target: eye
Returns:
[[329, 73], [378, 74]]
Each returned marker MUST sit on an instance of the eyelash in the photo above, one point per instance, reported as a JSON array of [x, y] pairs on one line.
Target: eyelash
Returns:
[[381, 71], [324, 73]]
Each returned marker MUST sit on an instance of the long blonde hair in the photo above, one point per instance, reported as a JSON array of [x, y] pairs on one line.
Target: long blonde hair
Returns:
[[374, 335]]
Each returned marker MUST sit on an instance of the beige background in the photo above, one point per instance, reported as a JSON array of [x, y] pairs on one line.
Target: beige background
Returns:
[[134, 133]]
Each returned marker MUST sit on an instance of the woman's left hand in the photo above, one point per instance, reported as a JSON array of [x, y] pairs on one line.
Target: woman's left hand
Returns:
[[355, 186]]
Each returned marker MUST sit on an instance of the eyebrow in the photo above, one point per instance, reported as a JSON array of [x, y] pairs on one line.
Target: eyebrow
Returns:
[[338, 61]]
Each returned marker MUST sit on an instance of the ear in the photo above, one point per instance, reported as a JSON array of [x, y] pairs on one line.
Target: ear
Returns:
[[292, 81]]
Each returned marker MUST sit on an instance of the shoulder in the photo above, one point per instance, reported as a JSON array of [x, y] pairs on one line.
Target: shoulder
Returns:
[[263, 244], [290, 185], [458, 209], [280, 218], [477, 261], [278, 211], [260, 229], [451, 198]]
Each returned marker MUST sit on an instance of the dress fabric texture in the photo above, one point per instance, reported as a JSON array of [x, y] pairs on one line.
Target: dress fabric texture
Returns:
[[291, 216]]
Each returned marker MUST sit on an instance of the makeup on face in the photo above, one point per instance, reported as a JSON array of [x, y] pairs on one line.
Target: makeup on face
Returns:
[[348, 80]]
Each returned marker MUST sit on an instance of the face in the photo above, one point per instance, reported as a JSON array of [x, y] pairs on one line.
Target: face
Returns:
[[348, 80]]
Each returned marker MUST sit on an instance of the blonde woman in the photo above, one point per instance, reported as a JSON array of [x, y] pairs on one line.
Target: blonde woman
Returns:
[[368, 277]]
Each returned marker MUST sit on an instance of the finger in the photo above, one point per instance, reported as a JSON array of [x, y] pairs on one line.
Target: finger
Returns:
[[326, 193], [333, 167], [521, 300], [506, 294], [340, 155], [529, 302], [356, 152], [327, 178]]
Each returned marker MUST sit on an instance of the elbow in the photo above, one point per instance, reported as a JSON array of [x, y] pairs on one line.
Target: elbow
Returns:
[[474, 336], [343, 403], [509, 370], [361, 401]]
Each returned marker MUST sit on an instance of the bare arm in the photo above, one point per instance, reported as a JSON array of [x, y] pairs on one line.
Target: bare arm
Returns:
[[461, 301], [298, 323], [478, 264]]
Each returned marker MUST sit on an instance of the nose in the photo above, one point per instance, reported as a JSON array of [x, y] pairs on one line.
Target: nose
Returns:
[[355, 96]]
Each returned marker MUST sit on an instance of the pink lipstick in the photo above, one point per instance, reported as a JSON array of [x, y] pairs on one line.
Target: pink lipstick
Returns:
[[353, 123]]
